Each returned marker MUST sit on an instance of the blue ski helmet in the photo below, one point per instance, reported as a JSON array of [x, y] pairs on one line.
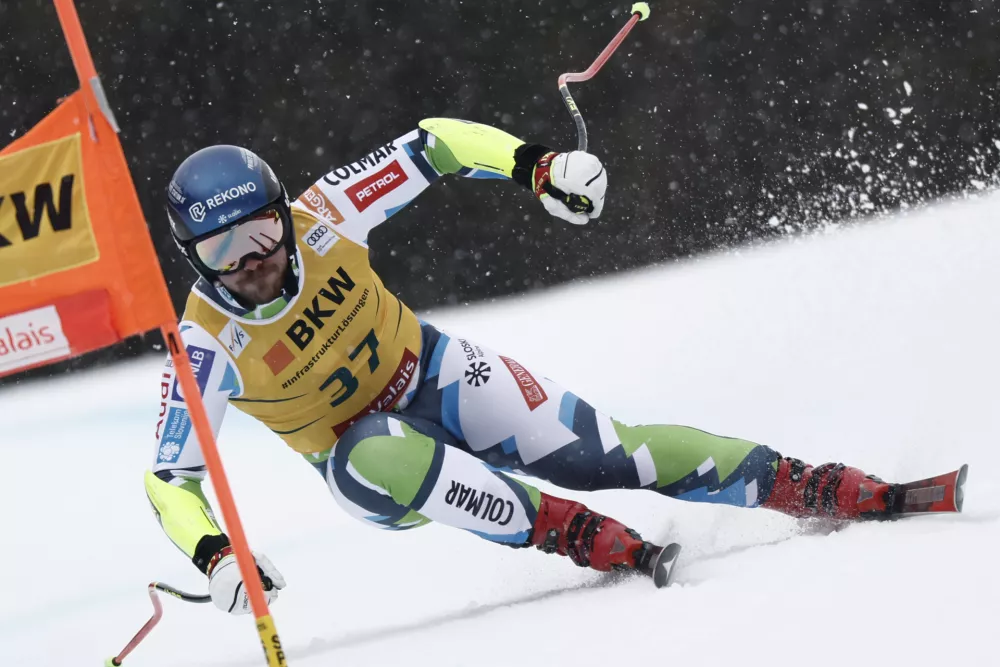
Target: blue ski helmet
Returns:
[[216, 189]]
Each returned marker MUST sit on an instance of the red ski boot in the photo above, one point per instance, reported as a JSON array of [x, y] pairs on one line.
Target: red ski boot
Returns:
[[592, 540], [832, 489]]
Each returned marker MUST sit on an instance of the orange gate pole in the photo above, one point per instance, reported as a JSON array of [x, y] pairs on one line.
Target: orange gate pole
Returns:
[[84, 64], [234, 527]]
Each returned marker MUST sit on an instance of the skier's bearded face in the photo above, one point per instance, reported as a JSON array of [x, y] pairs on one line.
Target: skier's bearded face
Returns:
[[260, 280]]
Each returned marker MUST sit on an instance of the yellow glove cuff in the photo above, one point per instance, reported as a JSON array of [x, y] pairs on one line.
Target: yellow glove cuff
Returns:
[[470, 145]]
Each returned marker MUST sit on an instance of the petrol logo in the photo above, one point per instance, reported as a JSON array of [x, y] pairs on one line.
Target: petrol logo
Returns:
[[366, 192]]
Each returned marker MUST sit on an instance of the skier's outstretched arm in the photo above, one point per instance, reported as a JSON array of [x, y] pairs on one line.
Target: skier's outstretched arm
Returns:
[[361, 195], [173, 484]]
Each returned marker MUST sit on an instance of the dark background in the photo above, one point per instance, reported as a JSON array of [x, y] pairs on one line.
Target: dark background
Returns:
[[720, 122]]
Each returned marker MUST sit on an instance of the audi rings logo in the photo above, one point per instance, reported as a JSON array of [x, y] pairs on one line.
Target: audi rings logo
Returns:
[[197, 212], [316, 235], [320, 238]]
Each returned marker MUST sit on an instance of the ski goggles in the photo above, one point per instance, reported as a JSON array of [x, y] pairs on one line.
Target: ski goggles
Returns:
[[258, 237]]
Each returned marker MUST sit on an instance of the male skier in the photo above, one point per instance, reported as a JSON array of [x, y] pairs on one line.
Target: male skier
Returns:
[[408, 425]]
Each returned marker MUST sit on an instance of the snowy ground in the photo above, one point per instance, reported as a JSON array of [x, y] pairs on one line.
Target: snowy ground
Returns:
[[876, 346]]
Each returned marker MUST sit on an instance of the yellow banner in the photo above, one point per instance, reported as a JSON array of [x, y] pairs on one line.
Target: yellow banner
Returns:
[[44, 221]]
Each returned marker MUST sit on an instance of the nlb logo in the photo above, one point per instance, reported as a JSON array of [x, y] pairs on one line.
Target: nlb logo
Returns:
[[201, 365], [368, 191], [30, 338], [199, 209]]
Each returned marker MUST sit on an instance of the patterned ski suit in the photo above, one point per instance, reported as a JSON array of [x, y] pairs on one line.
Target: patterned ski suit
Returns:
[[406, 423]]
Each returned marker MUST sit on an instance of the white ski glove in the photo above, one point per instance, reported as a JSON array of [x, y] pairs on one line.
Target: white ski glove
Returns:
[[225, 584], [571, 186]]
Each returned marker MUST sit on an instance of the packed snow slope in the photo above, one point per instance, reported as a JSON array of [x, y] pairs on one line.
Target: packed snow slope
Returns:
[[874, 345]]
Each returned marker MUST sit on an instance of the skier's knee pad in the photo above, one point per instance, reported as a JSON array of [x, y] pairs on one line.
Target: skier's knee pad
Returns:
[[379, 467]]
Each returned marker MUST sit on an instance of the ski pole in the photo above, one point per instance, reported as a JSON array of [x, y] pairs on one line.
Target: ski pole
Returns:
[[640, 12], [116, 661]]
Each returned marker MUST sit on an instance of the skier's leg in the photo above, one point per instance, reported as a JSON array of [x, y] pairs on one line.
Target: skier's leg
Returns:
[[518, 420], [694, 465], [398, 472]]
